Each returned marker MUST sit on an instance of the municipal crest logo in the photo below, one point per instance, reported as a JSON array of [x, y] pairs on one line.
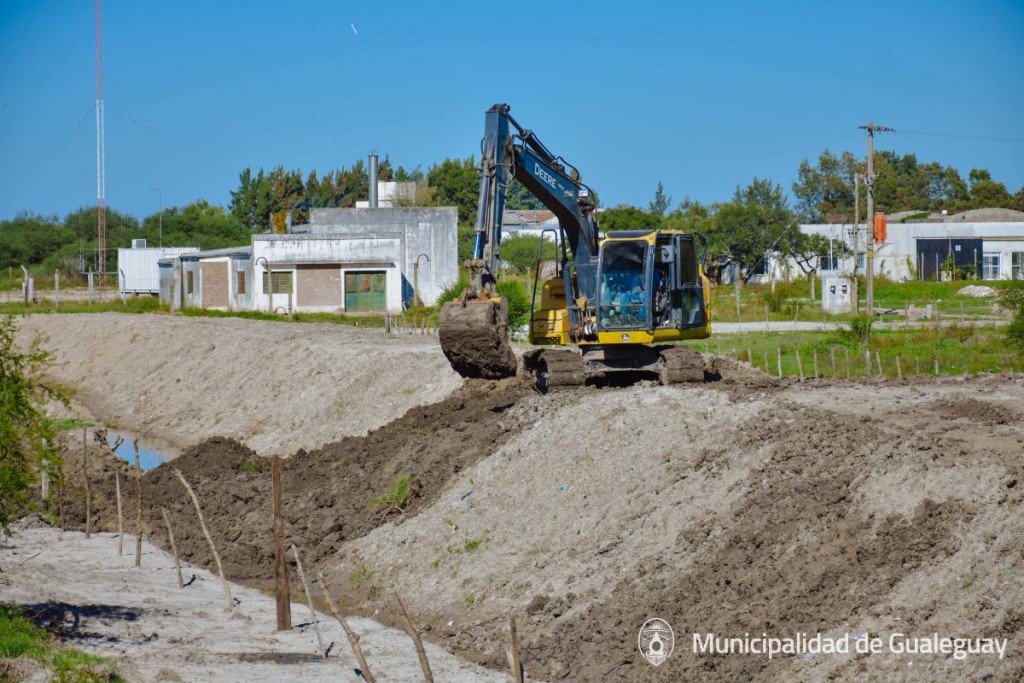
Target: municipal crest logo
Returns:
[[656, 641]]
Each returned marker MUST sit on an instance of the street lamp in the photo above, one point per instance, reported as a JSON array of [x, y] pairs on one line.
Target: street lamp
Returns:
[[160, 192], [416, 300]]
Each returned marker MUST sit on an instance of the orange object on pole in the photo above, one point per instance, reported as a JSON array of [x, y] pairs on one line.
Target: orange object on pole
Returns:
[[880, 226]]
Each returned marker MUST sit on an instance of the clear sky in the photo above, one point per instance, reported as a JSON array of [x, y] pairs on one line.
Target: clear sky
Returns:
[[702, 96]]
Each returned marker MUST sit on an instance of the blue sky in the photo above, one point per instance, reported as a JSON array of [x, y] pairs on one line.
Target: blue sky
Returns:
[[702, 96]]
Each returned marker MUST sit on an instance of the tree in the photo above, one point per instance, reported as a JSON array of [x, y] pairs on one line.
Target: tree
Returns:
[[456, 182], [826, 188], [27, 434], [518, 197], [985, 192], [659, 205], [199, 224], [520, 252], [626, 217], [746, 230]]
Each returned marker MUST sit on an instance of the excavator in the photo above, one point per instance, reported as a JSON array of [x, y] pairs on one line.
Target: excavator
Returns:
[[611, 304]]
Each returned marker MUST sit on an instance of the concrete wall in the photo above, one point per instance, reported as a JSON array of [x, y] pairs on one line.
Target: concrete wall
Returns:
[[429, 231]]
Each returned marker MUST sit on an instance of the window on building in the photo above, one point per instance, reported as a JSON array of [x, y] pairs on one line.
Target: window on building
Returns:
[[1017, 265], [829, 262], [190, 282], [240, 282], [282, 282], [990, 267]]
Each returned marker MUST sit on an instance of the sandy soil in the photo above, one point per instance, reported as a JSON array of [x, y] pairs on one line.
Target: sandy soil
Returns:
[[747, 505], [272, 386], [154, 630]]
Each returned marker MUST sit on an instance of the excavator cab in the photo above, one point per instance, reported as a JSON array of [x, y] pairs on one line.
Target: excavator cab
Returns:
[[651, 287]]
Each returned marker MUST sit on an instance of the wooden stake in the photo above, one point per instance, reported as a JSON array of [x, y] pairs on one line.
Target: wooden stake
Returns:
[[515, 658], [917, 366], [767, 368], [867, 363], [209, 540], [138, 506], [120, 515], [878, 362], [778, 360], [414, 634], [174, 547], [846, 357], [282, 593], [750, 357], [309, 599], [88, 493], [814, 352], [799, 366], [936, 367], [899, 370], [353, 637], [832, 359]]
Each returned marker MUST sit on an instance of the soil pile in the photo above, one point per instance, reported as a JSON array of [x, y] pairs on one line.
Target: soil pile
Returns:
[[328, 494]]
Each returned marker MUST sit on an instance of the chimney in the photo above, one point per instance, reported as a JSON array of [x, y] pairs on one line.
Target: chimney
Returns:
[[373, 180]]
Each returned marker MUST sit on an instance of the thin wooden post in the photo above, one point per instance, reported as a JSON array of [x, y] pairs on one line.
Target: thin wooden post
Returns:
[[174, 547], [138, 506], [282, 594], [899, 370], [120, 515], [846, 358], [867, 363], [515, 657], [88, 493], [814, 352], [209, 540], [917, 366], [936, 367], [750, 357], [832, 359], [878, 362], [353, 637], [428, 677], [309, 599], [799, 366], [778, 360], [56, 288], [767, 368], [734, 354]]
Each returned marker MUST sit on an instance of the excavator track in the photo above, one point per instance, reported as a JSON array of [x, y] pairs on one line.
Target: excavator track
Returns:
[[680, 365], [553, 370]]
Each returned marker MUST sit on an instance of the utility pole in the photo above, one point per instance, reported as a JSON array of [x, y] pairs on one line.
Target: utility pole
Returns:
[[869, 270], [101, 163]]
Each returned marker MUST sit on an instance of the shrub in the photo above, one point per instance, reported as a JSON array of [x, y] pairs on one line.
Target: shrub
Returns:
[[1012, 299], [518, 303]]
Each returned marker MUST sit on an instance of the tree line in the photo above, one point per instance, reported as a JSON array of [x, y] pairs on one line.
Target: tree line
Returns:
[[755, 220]]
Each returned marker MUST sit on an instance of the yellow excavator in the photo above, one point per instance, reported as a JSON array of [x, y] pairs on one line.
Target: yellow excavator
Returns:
[[616, 299]]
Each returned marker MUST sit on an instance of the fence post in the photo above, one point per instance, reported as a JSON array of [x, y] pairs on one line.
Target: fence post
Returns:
[[778, 360], [899, 370], [174, 546], [88, 493], [867, 363], [832, 359], [138, 506], [120, 515], [281, 593], [815, 354], [750, 357], [209, 539], [878, 362], [799, 366], [936, 367], [309, 599]]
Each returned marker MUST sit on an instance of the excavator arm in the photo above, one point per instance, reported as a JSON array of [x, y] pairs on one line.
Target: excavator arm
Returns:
[[473, 329]]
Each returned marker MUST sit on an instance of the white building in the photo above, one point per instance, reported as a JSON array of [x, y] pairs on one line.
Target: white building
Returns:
[[137, 268], [343, 260], [988, 242]]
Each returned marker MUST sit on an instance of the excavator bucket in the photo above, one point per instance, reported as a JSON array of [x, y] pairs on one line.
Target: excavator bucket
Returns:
[[474, 337]]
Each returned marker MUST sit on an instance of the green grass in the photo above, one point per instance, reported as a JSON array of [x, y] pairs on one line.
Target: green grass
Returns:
[[958, 350], [19, 637], [396, 496], [141, 304], [791, 301]]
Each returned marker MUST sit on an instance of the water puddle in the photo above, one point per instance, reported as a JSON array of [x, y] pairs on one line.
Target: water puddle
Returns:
[[151, 453]]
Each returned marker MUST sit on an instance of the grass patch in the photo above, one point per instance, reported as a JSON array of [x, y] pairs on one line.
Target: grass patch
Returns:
[[472, 544], [251, 467], [19, 637], [67, 424], [360, 575], [397, 494], [959, 349], [133, 304]]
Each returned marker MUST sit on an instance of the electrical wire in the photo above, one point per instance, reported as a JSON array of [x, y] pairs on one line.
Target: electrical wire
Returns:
[[959, 135]]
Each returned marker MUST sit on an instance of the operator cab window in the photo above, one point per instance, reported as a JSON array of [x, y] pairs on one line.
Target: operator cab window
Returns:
[[623, 295]]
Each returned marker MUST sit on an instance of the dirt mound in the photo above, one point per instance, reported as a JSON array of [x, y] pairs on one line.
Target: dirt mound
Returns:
[[961, 407], [738, 378], [328, 494]]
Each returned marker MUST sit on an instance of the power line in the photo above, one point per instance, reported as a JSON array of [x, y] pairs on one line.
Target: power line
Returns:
[[960, 135]]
